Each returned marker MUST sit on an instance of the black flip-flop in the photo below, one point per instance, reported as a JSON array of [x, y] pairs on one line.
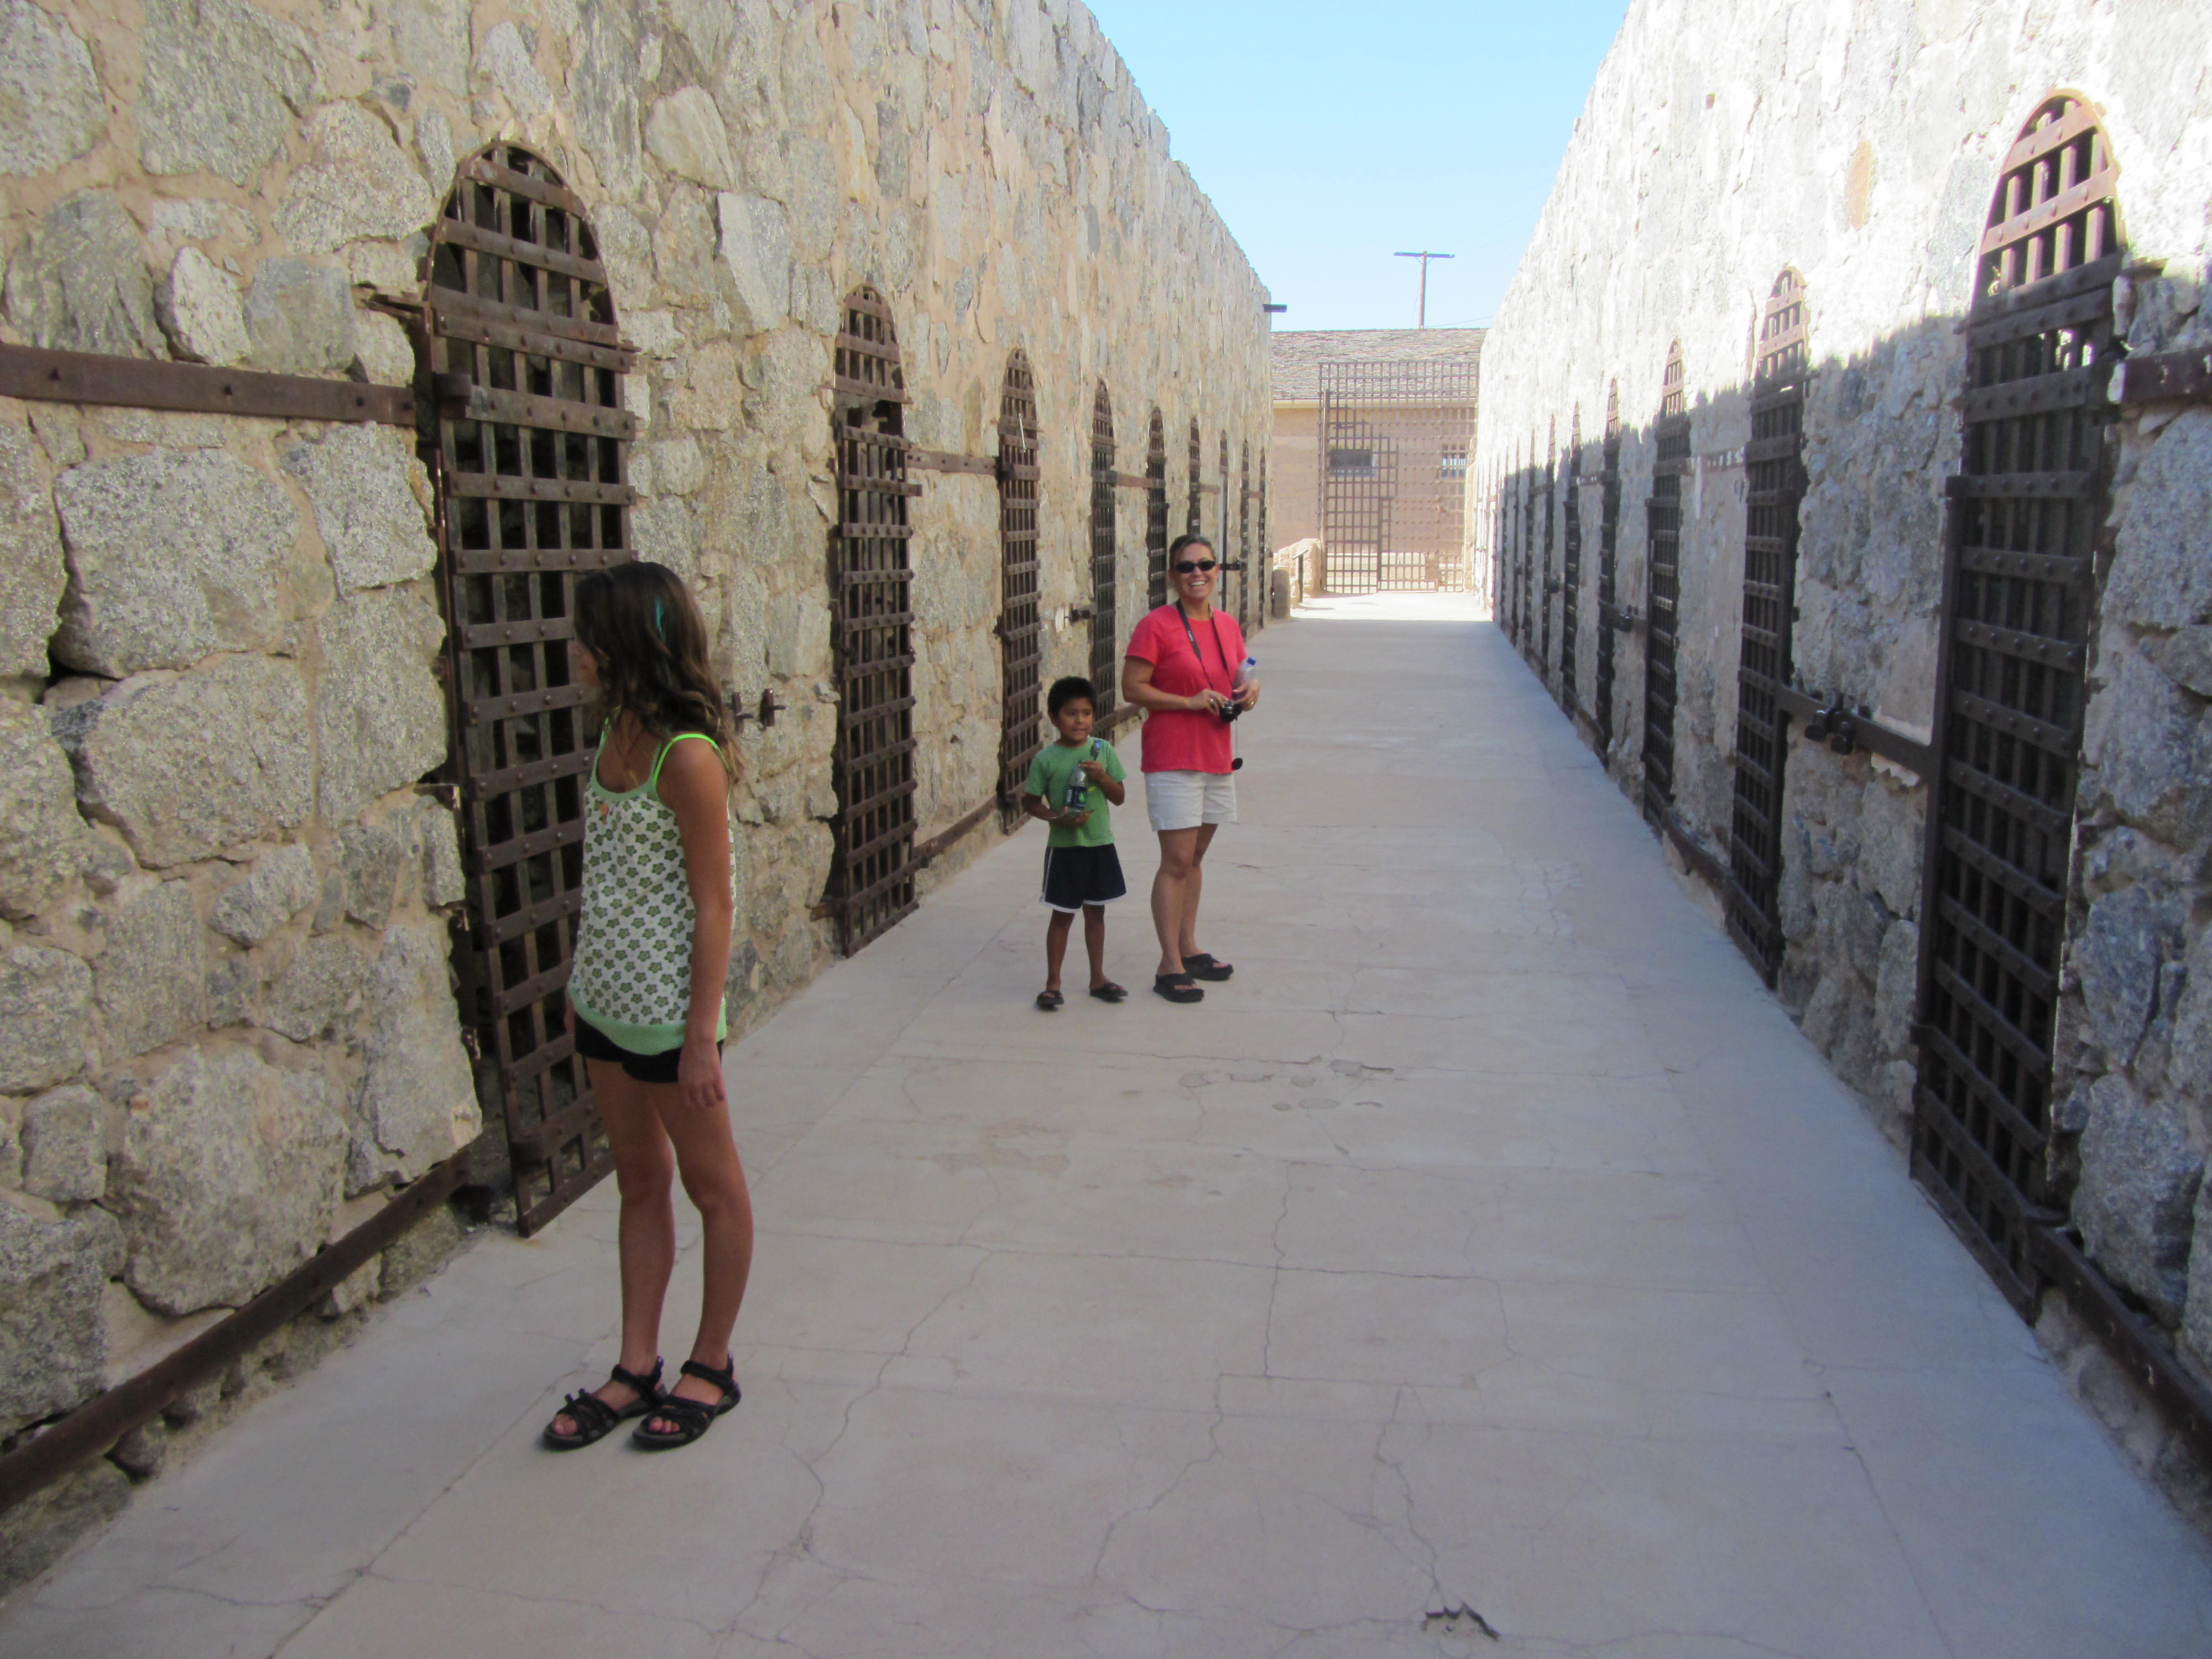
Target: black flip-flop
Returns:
[[1177, 988], [1111, 992], [1049, 1001], [1201, 964]]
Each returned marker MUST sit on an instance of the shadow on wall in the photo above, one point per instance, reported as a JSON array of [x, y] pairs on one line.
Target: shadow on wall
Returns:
[[1966, 573]]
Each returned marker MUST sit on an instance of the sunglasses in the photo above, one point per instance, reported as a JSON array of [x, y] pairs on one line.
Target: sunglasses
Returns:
[[1189, 565]]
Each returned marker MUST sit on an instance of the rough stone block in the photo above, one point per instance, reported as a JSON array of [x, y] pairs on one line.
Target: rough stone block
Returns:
[[202, 311], [186, 765], [321, 986], [369, 859], [65, 1145], [32, 571], [504, 59], [2151, 750], [382, 348], [443, 880], [686, 136], [2140, 1171], [380, 712], [36, 1532], [43, 842], [2188, 1063], [229, 1178], [1896, 985], [2129, 935], [46, 1015], [80, 283], [151, 981], [53, 1342], [51, 106], [2159, 576], [2197, 1309], [362, 482], [223, 82], [2185, 658], [417, 1103], [232, 982], [357, 185], [281, 884], [300, 318], [755, 249], [172, 555], [420, 1251]]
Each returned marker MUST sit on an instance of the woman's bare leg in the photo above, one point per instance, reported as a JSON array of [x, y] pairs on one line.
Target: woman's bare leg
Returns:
[[1169, 885], [645, 1170], [1193, 886]]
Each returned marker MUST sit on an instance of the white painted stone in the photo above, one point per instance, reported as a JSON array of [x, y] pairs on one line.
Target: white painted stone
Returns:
[[201, 310], [51, 107], [366, 486]]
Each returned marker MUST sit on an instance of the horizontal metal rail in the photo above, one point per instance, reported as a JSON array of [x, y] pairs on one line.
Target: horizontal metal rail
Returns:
[[93, 377], [1844, 729]]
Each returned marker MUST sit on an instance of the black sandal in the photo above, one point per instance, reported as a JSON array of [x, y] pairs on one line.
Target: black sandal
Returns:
[[1202, 964], [595, 1420], [1177, 988], [692, 1418], [1111, 992], [1049, 1001]]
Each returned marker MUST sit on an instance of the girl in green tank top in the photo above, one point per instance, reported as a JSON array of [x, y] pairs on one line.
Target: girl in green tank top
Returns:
[[645, 990]]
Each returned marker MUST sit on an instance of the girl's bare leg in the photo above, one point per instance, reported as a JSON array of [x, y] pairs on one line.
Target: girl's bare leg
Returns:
[[645, 1169], [707, 1159]]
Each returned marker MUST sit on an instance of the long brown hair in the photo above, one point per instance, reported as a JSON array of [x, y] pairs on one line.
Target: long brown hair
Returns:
[[642, 623]]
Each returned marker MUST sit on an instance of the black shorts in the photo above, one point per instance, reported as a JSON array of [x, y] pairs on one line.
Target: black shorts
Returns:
[[1077, 876], [592, 1043]]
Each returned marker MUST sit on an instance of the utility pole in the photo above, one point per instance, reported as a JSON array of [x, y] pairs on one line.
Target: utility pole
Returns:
[[1425, 259]]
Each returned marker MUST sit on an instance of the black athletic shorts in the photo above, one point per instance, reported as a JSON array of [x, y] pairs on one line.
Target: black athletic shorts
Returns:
[[594, 1044], [1077, 876]]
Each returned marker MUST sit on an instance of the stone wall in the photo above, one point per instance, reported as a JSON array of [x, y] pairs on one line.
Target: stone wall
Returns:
[[226, 1020], [1859, 147]]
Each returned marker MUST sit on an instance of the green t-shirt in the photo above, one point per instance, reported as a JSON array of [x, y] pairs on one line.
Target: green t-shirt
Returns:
[[1049, 775]]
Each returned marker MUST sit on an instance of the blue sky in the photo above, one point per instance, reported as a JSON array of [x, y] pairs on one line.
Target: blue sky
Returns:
[[1331, 135]]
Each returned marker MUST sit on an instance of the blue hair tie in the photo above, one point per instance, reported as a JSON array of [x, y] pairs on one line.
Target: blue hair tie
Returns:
[[657, 612]]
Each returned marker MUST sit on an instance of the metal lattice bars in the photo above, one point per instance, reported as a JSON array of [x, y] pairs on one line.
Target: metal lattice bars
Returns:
[[1570, 562], [1156, 513], [1609, 553], [1662, 539], [1020, 629], [1546, 586], [2019, 598], [530, 470], [872, 592], [1775, 469], [1103, 565], [1394, 438]]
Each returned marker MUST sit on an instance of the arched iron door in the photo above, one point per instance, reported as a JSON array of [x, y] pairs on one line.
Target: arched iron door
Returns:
[[870, 591], [1548, 585], [1609, 551], [1571, 564], [1243, 612], [1105, 566], [530, 469], [1194, 518], [1020, 730], [1775, 468], [2027, 513], [1156, 513], [1663, 545]]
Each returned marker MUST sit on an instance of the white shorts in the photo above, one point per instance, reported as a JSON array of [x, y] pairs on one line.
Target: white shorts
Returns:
[[1184, 800]]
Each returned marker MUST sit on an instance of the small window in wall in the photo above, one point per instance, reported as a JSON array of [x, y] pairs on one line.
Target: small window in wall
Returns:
[[1454, 464], [1350, 463]]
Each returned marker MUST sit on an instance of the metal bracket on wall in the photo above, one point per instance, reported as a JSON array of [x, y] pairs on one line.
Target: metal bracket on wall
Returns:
[[2166, 377], [1844, 729], [1623, 617], [1131, 481], [1695, 853], [943, 460], [765, 712], [93, 377]]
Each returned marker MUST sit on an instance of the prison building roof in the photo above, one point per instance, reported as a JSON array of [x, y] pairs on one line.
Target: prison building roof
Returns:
[[1299, 353]]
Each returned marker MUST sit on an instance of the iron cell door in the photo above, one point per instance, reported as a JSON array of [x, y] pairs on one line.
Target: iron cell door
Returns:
[[1546, 587], [1362, 468], [871, 587], [1020, 730], [2019, 603], [1104, 567], [1775, 469], [1156, 513], [1224, 549], [529, 466], [1526, 500], [1194, 522], [1570, 562], [1609, 553], [1663, 539], [1267, 552], [1243, 612]]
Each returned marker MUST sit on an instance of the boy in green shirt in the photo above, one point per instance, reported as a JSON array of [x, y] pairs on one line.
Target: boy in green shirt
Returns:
[[1070, 785]]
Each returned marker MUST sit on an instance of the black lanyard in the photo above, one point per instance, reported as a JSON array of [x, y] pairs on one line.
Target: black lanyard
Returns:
[[1220, 650]]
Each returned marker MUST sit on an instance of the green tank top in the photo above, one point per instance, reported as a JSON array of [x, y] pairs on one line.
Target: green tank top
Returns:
[[632, 975]]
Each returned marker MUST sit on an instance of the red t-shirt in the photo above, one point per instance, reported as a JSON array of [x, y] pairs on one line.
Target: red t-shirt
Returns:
[[1186, 740]]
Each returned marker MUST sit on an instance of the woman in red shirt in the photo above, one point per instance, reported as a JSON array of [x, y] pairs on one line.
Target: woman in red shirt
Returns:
[[1181, 669]]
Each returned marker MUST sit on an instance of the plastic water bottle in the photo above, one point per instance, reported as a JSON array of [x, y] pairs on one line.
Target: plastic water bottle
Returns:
[[1079, 785], [1246, 672]]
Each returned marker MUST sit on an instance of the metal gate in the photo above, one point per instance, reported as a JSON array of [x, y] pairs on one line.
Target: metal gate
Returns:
[[1156, 514], [1399, 524], [1103, 562], [1774, 471], [1546, 586], [1194, 522], [1524, 505], [532, 448], [2019, 599], [1243, 612], [871, 586], [1571, 564], [1019, 641], [1267, 552], [1663, 539], [1608, 548]]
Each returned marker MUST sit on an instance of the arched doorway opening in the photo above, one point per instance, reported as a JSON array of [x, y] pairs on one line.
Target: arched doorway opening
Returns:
[[1019, 626], [1663, 585], [1104, 567], [1156, 513]]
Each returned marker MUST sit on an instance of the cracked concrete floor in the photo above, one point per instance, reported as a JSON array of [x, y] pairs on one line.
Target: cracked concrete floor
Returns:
[[1492, 1246]]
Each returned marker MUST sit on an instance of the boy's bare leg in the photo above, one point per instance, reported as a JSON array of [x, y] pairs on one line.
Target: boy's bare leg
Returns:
[[1094, 941], [1055, 946], [1193, 886]]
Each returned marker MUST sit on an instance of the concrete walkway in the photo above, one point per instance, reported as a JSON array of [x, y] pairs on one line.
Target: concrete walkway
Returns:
[[1492, 1241]]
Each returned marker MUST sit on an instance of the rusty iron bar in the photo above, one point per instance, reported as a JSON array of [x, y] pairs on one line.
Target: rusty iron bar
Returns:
[[928, 851], [89, 1431], [2166, 377], [941, 461], [1845, 729], [2180, 1398], [93, 377], [1104, 554]]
